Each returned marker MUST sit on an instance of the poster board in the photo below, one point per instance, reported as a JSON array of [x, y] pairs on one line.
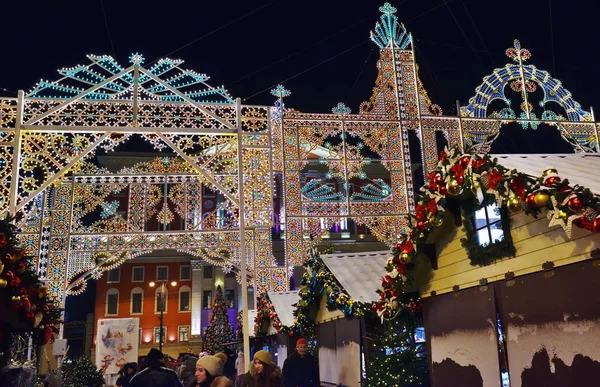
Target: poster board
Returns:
[[117, 341]]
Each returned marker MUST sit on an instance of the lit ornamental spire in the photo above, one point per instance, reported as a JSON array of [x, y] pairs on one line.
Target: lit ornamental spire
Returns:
[[388, 32]]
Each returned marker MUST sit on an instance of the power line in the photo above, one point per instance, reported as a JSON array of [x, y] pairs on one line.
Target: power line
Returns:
[[301, 50], [112, 47], [462, 31], [307, 70], [214, 31], [475, 26], [360, 73], [7, 90]]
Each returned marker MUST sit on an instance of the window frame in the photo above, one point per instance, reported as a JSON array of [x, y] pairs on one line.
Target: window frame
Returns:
[[185, 289], [189, 267], [136, 290], [108, 280], [179, 333], [156, 338], [488, 224], [133, 272], [111, 292], [207, 305], [204, 271], [158, 268]]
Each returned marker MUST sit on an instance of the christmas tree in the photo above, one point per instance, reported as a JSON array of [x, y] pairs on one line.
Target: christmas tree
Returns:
[[219, 331], [239, 334], [82, 372], [394, 357]]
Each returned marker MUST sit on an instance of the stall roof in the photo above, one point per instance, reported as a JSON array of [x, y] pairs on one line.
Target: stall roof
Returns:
[[359, 273], [283, 302], [579, 168]]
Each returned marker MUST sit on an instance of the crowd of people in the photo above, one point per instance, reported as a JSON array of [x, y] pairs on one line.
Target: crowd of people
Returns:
[[220, 370]]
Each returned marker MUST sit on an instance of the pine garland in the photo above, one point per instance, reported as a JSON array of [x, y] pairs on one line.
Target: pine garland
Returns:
[[486, 255]]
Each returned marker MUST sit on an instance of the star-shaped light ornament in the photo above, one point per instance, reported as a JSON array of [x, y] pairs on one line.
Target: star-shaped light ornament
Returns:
[[558, 217], [136, 59]]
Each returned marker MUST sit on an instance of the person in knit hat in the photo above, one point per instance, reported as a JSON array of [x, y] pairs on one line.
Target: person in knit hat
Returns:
[[263, 372], [300, 369], [207, 369]]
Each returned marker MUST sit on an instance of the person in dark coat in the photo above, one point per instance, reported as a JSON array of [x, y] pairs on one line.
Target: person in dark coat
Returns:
[[126, 374], [263, 372], [300, 369], [188, 370], [155, 374]]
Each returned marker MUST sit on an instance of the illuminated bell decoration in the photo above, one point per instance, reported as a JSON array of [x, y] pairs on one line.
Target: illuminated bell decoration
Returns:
[[514, 204], [453, 187], [549, 171], [574, 204], [541, 199]]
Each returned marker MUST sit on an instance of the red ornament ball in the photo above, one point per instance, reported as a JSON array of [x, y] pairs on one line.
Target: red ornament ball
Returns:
[[439, 179], [460, 179], [575, 204], [443, 190], [421, 225], [530, 200], [551, 180], [596, 225], [464, 161], [582, 222]]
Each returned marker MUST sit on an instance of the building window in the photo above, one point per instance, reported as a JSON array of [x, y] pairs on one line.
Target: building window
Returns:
[[184, 298], [488, 225], [159, 302], [184, 333], [137, 297], [112, 302], [185, 273], [114, 275], [137, 274], [207, 299], [230, 298], [162, 273], [157, 335], [208, 271]]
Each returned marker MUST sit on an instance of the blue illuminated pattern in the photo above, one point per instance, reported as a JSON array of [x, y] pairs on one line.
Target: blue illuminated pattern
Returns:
[[105, 79], [389, 33]]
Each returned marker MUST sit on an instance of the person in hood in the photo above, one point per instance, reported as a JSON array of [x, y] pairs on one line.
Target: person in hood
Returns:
[[188, 370], [263, 372], [126, 374], [300, 369], [155, 374]]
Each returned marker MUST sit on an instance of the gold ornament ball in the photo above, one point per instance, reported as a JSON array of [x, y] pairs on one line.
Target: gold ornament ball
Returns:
[[514, 204], [453, 187], [475, 186], [435, 221], [395, 304], [3, 283], [1, 267], [541, 199], [404, 257], [550, 171]]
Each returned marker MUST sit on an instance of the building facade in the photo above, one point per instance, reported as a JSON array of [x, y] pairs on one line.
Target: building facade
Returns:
[[132, 290]]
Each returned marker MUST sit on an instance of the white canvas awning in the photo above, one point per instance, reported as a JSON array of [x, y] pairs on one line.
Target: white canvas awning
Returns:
[[283, 302], [579, 168], [359, 273]]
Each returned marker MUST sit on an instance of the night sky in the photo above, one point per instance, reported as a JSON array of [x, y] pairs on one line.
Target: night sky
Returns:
[[320, 50]]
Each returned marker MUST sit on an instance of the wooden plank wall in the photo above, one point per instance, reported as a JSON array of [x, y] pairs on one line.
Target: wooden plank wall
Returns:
[[535, 243], [325, 315]]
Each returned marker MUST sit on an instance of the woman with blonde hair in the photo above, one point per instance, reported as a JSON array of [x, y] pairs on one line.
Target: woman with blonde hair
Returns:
[[263, 372]]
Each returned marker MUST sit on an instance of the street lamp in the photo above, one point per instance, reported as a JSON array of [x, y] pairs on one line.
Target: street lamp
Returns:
[[162, 293]]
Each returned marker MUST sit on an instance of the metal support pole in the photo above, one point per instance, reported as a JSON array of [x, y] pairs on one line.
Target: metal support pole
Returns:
[[246, 325], [162, 311], [460, 128], [14, 181]]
